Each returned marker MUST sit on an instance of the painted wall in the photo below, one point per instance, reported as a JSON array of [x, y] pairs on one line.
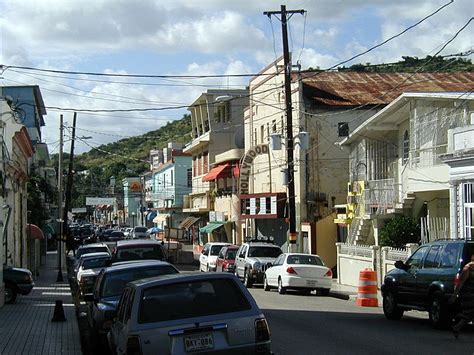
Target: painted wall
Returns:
[[326, 238]]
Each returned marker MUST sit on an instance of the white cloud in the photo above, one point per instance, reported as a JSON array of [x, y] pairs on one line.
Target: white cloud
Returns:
[[310, 58]]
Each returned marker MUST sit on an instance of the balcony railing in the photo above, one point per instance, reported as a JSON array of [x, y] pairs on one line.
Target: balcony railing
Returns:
[[382, 195]]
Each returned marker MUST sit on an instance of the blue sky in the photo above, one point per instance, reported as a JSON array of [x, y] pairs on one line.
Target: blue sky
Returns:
[[195, 37]]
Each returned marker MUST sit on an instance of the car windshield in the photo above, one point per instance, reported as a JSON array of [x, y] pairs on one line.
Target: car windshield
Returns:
[[140, 252], [93, 263], [264, 252], [84, 251], [231, 254], [304, 259], [115, 282], [215, 249], [140, 229], [191, 299]]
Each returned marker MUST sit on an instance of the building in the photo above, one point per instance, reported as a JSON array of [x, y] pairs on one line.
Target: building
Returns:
[[399, 165], [217, 127]]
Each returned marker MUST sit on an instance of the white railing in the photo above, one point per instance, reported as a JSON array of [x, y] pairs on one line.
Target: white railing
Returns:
[[357, 220], [434, 228], [381, 195]]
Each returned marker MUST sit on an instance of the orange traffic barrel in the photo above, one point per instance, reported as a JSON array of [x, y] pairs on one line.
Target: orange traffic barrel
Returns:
[[367, 291]]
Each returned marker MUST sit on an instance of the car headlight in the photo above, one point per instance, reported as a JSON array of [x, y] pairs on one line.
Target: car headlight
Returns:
[[257, 265]]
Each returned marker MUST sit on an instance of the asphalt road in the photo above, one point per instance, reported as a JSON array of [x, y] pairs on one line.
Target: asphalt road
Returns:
[[313, 324]]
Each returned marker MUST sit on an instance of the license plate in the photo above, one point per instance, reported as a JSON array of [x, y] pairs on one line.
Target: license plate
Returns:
[[198, 342], [311, 282]]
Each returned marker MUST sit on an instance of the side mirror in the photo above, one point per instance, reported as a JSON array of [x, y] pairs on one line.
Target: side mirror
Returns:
[[89, 297], [400, 265]]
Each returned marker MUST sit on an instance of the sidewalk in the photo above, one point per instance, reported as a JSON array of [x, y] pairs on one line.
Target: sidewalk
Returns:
[[26, 327], [349, 292]]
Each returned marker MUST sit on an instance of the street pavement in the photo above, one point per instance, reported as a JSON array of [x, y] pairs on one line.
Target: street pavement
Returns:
[[26, 327], [302, 324]]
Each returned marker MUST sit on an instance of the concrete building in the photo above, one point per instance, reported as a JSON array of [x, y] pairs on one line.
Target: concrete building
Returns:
[[217, 127]]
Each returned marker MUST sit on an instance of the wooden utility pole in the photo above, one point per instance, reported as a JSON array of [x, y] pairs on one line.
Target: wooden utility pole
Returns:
[[60, 202], [289, 120]]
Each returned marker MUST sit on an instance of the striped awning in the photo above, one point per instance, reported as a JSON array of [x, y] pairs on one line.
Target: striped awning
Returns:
[[188, 222], [211, 226]]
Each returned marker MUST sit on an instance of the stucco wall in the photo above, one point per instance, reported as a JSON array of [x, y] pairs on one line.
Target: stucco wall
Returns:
[[326, 238]]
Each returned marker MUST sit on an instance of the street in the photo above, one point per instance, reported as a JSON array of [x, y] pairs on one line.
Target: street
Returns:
[[302, 324]]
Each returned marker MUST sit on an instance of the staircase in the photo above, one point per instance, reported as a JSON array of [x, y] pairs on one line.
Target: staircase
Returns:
[[360, 229], [406, 204]]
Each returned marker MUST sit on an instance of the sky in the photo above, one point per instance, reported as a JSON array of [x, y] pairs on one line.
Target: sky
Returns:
[[188, 37]]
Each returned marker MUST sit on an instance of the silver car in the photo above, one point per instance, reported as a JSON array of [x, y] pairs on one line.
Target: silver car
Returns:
[[187, 313]]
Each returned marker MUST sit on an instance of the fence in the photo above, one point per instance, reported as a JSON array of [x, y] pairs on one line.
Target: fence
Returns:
[[351, 259]]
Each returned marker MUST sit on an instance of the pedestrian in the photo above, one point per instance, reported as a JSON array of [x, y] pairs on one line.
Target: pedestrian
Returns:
[[465, 291]]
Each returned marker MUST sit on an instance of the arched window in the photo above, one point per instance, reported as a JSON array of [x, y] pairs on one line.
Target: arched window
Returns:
[[406, 147]]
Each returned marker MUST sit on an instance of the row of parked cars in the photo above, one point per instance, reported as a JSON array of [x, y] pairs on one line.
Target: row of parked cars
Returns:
[[265, 263], [139, 303]]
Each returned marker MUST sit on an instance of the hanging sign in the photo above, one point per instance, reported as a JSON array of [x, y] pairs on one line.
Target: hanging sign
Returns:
[[246, 166]]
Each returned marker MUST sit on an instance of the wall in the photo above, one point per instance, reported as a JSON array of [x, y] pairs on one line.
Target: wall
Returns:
[[326, 238]]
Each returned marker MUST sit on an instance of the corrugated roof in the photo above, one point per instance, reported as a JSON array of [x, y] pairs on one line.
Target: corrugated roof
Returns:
[[353, 88]]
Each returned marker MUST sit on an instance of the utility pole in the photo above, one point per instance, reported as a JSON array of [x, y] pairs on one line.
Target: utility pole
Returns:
[[60, 201], [289, 121], [67, 204]]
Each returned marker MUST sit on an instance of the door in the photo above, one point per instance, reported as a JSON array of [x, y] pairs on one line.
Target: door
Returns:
[[407, 289], [240, 261], [118, 331], [429, 273], [203, 257], [273, 272]]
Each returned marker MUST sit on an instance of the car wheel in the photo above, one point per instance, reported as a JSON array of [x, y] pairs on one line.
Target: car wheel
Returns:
[[247, 280], [390, 307], [266, 287], [439, 317], [10, 294], [281, 289]]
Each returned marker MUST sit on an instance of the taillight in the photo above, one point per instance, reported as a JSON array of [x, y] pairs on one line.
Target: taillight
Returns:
[[290, 270], [225, 265], [262, 332], [133, 346], [457, 280], [329, 273]]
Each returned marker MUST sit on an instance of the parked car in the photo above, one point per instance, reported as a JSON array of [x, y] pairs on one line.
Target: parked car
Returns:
[[17, 281], [253, 259], [87, 249], [208, 257], [304, 272], [140, 232], [115, 236], [188, 313], [106, 235], [426, 281], [138, 250], [88, 269], [226, 259], [111, 281]]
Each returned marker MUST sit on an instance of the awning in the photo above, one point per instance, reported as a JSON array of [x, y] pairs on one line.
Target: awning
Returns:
[[188, 222], [160, 218], [211, 226], [34, 231], [219, 171], [151, 215]]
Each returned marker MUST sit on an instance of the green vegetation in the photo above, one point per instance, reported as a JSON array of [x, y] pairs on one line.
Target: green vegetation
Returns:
[[400, 231]]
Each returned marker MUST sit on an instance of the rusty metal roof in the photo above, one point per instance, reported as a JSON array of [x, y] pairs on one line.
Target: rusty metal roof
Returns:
[[354, 88]]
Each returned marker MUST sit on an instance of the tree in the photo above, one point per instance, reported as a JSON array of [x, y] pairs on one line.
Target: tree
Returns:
[[400, 231]]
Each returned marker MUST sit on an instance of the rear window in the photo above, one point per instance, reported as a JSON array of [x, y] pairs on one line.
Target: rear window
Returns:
[[95, 263], [115, 282], [140, 229], [140, 252], [91, 250], [215, 249], [264, 252], [304, 259], [191, 299], [450, 255], [231, 253]]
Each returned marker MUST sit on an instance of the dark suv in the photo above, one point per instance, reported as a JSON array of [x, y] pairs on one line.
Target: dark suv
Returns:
[[426, 281], [17, 281]]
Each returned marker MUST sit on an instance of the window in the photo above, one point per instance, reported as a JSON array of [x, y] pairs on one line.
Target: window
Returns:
[[468, 207], [215, 249], [450, 255], [304, 260], [264, 252], [432, 259], [191, 299], [406, 147], [205, 162], [190, 177], [274, 126], [416, 259], [199, 165], [262, 133], [172, 178], [194, 166]]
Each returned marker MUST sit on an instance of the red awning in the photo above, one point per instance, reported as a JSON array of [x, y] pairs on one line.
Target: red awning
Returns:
[[236, 171], [33, 231], [219, 171]]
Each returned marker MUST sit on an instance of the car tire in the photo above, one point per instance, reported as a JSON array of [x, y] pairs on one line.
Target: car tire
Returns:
[[281, 289], [390, 307], [10, 294], [438, 312], [247, 280], [266, 287]]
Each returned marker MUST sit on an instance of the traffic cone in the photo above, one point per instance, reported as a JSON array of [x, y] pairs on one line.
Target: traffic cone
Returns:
[[58, 315]]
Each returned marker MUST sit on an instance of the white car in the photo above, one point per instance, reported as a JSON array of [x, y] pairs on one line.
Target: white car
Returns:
[[208, 257], [300, 272], [89, 267]]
